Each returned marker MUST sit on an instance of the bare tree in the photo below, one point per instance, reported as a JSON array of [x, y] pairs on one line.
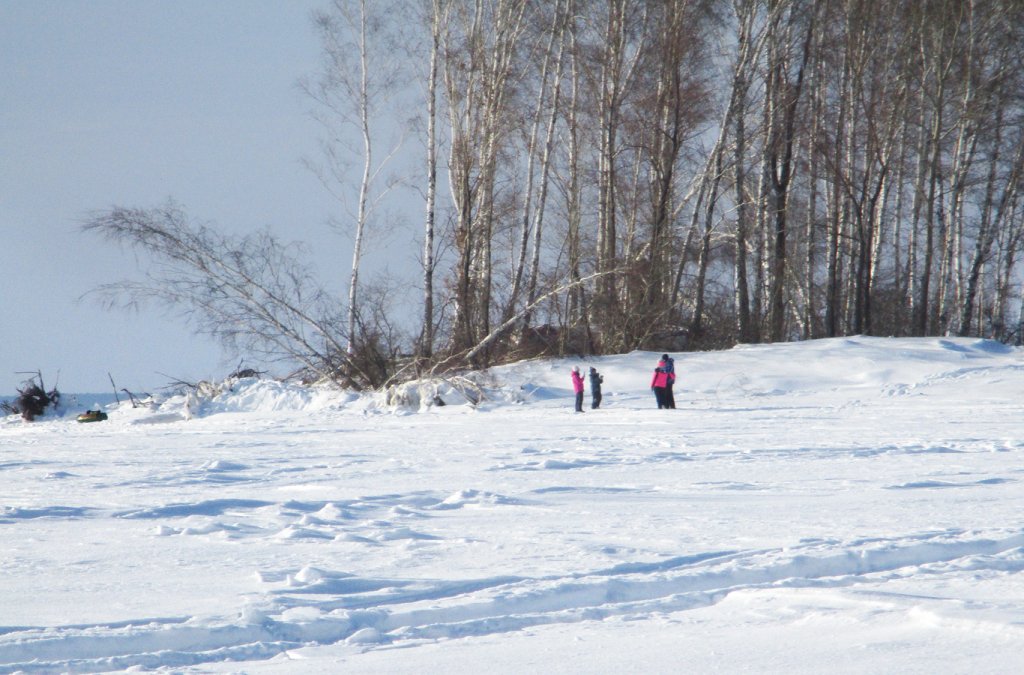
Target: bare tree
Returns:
[[748, 51], [426, 342], [996, 36], [480, 47], [616, 61], [784, 84], [250, 292], [358, 80], [874, 149], [538, 152]]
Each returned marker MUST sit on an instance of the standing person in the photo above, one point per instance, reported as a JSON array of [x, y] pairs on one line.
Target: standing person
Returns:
[[670, 370], [658, 383], [577, 386], [596, 379]]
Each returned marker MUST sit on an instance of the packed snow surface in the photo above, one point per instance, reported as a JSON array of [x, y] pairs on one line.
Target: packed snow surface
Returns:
[[845, 506]]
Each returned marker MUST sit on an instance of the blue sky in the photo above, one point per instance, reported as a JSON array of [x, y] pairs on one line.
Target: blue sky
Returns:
[[129, 103]]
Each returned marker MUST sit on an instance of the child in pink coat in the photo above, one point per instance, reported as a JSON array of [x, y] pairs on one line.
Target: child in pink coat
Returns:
[[660, 384], [577, 386]]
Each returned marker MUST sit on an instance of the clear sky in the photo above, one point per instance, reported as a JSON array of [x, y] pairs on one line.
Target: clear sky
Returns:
[[130, 103]]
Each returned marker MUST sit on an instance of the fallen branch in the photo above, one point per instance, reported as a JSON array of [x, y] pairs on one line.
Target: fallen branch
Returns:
[[500, 330]]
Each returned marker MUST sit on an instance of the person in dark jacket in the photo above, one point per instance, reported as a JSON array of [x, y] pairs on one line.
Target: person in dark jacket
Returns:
[[596, 379], [658, 384], [670, 370], [577, 387]]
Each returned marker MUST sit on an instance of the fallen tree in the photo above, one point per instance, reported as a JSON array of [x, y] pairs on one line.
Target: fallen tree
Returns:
[[253, 293]]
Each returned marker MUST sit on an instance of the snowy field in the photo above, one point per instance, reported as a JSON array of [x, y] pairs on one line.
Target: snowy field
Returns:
[[842, 506]]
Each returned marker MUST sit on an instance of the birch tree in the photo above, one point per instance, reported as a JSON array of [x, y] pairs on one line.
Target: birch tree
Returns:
[[357, 81], [435, 19], [480, 45], [788, 57]]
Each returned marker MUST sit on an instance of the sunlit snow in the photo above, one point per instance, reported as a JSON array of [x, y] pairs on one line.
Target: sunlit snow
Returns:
[[845, 506]]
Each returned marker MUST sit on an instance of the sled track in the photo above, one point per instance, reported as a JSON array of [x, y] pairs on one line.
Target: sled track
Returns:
[[319, 607]]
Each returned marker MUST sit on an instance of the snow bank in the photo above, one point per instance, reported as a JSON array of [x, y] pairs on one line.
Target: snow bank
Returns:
[[850, 365]]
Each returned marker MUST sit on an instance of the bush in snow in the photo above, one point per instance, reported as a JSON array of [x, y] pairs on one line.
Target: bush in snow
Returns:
[[33, 400]]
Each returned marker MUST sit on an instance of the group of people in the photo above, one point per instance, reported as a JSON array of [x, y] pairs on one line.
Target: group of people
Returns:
[[661, 384], [596, 379]]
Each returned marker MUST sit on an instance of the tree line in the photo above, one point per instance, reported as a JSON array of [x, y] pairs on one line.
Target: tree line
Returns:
[[605, 175]]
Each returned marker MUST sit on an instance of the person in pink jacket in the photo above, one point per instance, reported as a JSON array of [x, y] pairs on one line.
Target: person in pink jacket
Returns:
[[577, 386], [659, 385]]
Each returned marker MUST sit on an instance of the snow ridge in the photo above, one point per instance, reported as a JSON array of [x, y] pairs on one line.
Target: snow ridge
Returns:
[[367, 611]]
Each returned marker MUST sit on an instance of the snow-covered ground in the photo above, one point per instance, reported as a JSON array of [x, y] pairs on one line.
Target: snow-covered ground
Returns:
[[844, 506]]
